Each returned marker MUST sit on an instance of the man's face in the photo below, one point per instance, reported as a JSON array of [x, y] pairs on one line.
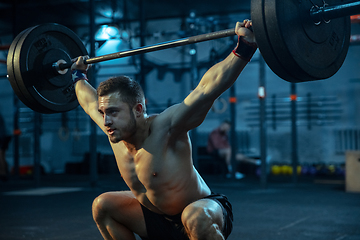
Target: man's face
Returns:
[[119, 119]]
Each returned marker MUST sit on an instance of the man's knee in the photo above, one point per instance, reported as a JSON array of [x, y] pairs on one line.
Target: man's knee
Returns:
[[202, 219], [105, 205], [100, 207]]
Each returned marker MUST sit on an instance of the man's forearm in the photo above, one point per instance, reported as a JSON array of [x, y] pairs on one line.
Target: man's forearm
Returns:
[[222, 75]]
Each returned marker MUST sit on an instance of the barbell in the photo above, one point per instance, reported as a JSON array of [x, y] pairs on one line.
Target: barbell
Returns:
[[300, 40]]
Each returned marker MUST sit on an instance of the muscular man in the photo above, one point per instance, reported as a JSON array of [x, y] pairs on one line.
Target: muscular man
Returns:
[[168, 199]]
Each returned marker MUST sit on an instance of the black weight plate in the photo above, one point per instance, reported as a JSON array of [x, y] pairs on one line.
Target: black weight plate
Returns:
[[263, 39], [10, 69], [305, 51], [14, 62], [43, 89]]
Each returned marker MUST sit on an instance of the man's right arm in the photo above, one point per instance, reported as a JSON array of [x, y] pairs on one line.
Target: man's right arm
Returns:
[[86, 95], [87, 98]]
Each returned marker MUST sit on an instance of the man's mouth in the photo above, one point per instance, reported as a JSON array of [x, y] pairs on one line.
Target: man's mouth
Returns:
[[111, 131]]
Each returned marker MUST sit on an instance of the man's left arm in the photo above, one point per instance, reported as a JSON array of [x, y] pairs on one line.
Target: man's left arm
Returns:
[[192, 111]]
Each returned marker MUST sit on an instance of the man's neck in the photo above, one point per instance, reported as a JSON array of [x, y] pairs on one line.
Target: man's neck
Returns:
[[136, 141]]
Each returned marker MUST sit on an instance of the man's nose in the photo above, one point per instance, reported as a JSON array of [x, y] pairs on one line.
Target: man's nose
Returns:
[[107, 120]]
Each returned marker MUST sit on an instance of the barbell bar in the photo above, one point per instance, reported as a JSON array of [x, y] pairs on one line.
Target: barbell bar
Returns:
[[156, 47], [300, 41]]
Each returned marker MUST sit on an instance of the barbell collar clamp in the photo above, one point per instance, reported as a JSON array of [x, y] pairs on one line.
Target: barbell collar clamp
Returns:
[[61, 66], [327, 12]]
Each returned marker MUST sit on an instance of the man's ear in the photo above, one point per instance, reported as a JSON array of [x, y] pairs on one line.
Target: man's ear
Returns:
[[138, 109]]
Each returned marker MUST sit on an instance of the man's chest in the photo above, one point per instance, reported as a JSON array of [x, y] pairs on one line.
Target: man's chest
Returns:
[[152, 167]]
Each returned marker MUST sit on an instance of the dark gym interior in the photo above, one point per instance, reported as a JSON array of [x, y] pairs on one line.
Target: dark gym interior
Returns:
[[302, 134]]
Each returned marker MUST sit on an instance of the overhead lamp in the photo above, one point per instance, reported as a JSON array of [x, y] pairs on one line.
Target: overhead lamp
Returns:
[[107, 32]]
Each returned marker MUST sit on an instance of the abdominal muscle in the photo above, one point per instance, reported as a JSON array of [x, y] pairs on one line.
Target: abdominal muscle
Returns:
[[168, 196], [173, 196]]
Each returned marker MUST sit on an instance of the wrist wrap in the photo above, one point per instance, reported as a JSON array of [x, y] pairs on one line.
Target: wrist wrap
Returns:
[[78, 75], [244, 49]]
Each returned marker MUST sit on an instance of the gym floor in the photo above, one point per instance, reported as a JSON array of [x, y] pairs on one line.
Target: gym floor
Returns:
[[61, 208]]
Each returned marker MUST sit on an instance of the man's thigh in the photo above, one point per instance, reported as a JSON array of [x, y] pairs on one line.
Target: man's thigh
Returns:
[[216, 207], [125, 209], [212, 209]]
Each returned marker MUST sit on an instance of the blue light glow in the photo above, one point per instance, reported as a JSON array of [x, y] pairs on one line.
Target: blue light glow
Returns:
[[106, 32]]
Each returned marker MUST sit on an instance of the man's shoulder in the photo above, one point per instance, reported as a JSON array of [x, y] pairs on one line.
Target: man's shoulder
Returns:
[[161, 119], [162, 122], [151, 118], [156, 121]]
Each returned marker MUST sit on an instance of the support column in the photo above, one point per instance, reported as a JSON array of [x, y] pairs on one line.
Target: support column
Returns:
[[194, 82], [294, 144], [36, 149], [233, 137], [93, 126], [262, 122], [142, 43]]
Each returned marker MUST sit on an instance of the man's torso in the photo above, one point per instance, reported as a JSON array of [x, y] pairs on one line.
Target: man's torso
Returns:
[[161, 174]]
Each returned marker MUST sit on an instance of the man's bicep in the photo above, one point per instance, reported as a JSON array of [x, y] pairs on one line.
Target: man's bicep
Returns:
[[88, 100], [85, 94], [192, 111]]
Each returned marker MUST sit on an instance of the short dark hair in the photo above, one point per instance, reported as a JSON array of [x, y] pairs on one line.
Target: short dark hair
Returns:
[[130, 91]]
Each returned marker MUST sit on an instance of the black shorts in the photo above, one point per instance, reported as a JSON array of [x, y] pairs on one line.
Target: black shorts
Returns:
[[164, 227]]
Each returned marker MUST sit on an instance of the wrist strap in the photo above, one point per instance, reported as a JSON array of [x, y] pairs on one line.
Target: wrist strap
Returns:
[[244, 49], [78, 75]]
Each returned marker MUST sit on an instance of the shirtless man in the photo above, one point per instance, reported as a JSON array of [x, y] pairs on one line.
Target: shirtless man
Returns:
[[168, 199]]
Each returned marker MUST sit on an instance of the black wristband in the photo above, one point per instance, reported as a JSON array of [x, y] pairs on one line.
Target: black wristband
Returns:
[[244, 49], [78, 75]]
